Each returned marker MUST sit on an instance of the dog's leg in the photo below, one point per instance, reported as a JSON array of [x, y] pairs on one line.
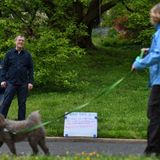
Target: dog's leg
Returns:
[[33, 145], [11, 146], [42, 144]]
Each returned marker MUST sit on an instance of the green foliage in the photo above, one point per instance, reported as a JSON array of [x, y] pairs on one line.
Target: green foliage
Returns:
[[144, 37], [137, 27], [52, 53], [48, 39], [114, 39], [74, 32]]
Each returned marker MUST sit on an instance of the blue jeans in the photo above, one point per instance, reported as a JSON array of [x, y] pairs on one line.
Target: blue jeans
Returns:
[[11, 90]]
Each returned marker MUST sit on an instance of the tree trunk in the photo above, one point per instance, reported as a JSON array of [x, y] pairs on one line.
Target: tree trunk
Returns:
[[84, 15], [91, 17], [86, 41]]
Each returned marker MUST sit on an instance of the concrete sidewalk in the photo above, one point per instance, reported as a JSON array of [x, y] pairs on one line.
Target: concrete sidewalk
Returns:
[[78, 145]]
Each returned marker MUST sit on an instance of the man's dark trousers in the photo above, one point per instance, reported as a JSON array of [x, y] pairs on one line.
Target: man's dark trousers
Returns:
[[10, 91], [153, 135]]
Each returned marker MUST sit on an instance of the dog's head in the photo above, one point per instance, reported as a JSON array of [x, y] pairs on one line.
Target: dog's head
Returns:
[[2, 121]]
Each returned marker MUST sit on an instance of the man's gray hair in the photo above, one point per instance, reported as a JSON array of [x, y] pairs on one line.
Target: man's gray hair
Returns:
[[19, 36]]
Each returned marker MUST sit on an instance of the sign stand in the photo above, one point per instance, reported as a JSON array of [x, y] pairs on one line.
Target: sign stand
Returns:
[[80, 124]]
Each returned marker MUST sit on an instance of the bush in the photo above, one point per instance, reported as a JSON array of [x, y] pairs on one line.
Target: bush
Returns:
[[132, 22], [115, 39], [52, 54], [48, 33]]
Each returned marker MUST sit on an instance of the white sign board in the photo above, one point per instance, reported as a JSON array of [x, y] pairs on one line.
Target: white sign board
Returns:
[[81, 124]]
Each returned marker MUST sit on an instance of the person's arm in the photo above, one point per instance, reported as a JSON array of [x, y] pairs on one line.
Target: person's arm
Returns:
[[30, 73], [4, 70], [150, 59]]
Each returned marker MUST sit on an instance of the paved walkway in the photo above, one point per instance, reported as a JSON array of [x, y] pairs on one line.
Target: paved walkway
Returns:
[[72, 146]]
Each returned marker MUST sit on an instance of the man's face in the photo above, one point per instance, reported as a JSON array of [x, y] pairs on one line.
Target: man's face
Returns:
[[20, 42]]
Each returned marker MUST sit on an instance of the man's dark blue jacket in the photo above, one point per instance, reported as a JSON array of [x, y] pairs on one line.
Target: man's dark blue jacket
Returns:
[[18, 67]]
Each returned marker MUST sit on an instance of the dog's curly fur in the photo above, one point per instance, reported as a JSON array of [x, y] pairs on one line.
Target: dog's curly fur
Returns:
[[9, 128]]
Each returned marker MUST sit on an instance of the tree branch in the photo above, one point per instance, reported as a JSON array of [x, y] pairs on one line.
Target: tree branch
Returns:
[[33, 16], [105, 7], [50, 7], [17, 15], [96, 8], [128, 9]]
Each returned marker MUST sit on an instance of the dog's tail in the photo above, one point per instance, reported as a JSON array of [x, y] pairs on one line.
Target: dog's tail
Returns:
[[34, 118]]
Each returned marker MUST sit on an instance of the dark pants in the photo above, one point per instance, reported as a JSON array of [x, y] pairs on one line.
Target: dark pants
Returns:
[[153, 135], [11, 90]]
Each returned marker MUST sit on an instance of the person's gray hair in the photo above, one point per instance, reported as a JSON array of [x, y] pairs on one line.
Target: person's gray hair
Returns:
[[19, 36]]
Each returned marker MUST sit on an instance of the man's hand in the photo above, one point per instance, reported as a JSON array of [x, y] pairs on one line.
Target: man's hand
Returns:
[[30, 86], [3, 84]]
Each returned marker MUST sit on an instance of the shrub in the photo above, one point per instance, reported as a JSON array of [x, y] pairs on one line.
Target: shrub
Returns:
[[52, 54]]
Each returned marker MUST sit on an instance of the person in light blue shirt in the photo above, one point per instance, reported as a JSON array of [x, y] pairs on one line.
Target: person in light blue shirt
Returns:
[[152, 60]]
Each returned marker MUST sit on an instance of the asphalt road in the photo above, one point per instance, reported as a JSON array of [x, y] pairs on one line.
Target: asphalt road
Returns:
[[73, 146]]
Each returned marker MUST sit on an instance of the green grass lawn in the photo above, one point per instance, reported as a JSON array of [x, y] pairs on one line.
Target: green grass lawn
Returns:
[[122, 113], [89, 156]]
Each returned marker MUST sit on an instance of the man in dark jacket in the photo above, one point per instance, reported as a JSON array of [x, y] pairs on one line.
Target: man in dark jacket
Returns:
[[17, 77]]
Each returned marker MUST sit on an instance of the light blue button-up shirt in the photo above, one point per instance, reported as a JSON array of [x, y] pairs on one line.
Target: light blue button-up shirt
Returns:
[[152, 59]]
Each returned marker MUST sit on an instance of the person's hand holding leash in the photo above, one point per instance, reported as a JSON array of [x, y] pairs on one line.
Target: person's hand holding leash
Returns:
[[144, 50]]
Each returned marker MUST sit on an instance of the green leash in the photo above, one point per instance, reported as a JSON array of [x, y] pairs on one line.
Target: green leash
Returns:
[[104, 91], [141, 54]]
